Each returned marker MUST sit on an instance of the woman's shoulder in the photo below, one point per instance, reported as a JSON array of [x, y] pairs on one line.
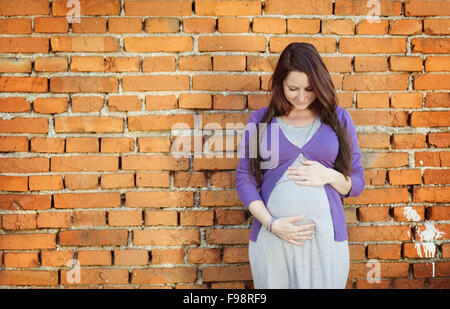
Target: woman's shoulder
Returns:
[[342, 114], [258, 114]]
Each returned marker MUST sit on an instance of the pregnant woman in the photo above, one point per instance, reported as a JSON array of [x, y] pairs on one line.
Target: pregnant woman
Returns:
[[299, 157]]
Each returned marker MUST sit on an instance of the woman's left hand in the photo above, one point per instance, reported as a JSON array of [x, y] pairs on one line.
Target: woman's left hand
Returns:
[[312, 173]]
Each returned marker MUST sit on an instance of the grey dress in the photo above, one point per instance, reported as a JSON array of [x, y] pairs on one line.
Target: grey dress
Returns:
[[320, 263]]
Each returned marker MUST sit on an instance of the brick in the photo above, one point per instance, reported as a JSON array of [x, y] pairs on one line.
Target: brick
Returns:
[[322, 44], [375, 82], [70, 84], [431, 232], [197, 218], [158, 8], [226, 82], [51, 25], [117, 181], [427, 8], [437, 64], [357, 252], [158, 44], [24, 125], [22, 83], [405, 27], [371, 214], [302, 7], [419, 250], [229, 63], [375, 177], [166, 237], [372, 100], [161, 217], [431, 81], [338, 26], [379, 118], [13, 144], [349, 7], [89, 218], [158, 64], [164, 275], [159, 199], [24, 165], [379, 233], [199, 25], [99, 7], [130, 257], [82, 144], [436, 26], [29, 277], [436, 177], [232, 43], [116, 144], [14, 104], [19, 221], [50, 64], [153, 179], [405, 63], [230, 273], [233, 25], [404, 177], [309, 26], [14, 183], [93, 237], [162, 25], [100, 276], [371, 64], [167, 256], [24, 7], [94, 257], [203, 255], [431, 194], [430, 45], [269, 25], [378, 28], [231, 217], [25, 201], [84, 44], [46, 182], [47, 145], [21, 259], [408, 213], [387, 159], [228, 236], [372, 45], [50, 105], [90, 25], [27, 241], [14, 65], [232, 102], [56, 258], [438, 213], [153, 162], [84, 163], [407, 283], [125, 218], [124, 25], [54, 219], [235, 255], [155, 83], [374, 140], [189, 179], [387, 270], [195, 63], [87, 200], [194, 101], [384, 252], [223, 179], [431, 159], [160, 102], [406, 100]]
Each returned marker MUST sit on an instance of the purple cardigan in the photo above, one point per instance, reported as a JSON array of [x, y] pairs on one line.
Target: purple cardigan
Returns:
[[322, 147]]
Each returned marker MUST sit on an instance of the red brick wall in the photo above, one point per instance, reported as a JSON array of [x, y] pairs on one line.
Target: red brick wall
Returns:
[[86, 116]]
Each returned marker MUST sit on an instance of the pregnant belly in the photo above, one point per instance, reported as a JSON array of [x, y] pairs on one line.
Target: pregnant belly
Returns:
[[290, 199]]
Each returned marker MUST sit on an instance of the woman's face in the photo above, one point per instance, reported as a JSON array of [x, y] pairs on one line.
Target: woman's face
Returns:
[[298, 90]]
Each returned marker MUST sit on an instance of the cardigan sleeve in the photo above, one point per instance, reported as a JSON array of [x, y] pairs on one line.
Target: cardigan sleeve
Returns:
[[357, 173], [246, 186]]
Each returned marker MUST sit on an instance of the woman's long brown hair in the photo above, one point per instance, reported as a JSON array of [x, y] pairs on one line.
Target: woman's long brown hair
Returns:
[[304, 57]]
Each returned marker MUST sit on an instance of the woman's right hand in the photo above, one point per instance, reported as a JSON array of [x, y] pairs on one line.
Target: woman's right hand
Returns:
[[287, 229]]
